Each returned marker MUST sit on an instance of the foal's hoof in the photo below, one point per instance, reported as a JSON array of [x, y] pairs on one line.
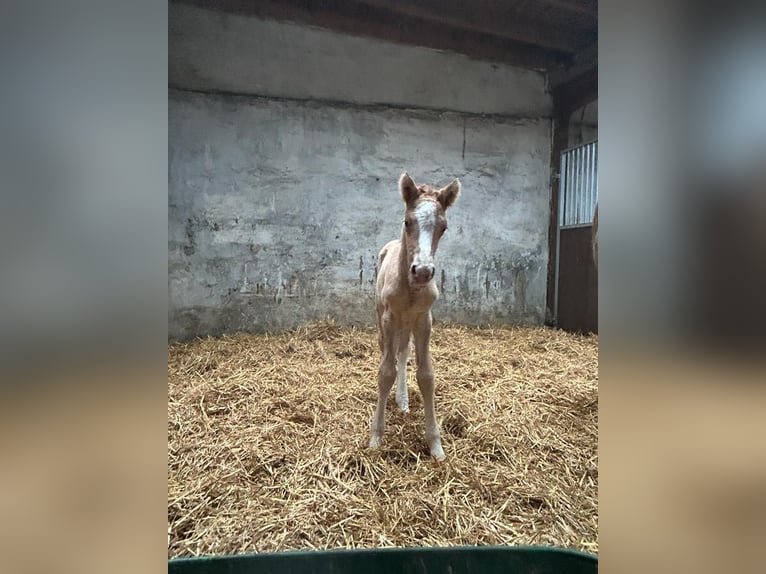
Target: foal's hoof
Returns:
[[376, 441], [439, 456], [403, 402], [437, 453]]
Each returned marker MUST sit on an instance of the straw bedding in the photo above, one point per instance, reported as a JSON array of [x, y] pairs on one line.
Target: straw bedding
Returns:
[[267, 443]]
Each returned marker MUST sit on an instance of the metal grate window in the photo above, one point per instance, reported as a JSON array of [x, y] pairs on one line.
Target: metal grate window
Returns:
[[578, 185]]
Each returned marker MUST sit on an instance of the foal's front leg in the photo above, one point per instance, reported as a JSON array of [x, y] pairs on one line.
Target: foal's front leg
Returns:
[[425, 376], [386, 375], [402, 396]]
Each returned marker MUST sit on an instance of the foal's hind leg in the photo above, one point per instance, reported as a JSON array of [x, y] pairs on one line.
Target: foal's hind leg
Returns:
[[379, 318], [402, 397]]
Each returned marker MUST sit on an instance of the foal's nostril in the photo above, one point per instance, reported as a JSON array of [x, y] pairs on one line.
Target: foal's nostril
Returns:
[[413, 270]]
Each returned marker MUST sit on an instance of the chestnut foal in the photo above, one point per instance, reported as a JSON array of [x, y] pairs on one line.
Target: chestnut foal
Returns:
[[404, 293]]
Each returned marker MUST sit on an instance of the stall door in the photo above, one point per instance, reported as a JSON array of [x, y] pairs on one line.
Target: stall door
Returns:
[[576, 289]]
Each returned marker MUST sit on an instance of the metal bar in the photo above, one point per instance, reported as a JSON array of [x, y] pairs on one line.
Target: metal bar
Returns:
[[574, 147], [576, 226], [565, 191], [588, 183], [562, 200], [594, 181], [562, 195], [580, 182], [595, 170], [583, 175], [573, 211], [575, 166], [585, 179], [572, 192]]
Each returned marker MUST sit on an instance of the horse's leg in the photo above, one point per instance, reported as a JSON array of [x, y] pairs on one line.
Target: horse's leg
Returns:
[[386, 375], [379, 315], [425, 376], [402, 398]]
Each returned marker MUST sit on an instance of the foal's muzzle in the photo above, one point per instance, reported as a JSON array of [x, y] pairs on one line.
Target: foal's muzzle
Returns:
[[422, 273]]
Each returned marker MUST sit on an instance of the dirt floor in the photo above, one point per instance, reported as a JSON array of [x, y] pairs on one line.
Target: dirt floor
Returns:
[[267, 440]]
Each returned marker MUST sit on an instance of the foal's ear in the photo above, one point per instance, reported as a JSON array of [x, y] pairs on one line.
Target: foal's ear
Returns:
[[407, 188], [448, 195]]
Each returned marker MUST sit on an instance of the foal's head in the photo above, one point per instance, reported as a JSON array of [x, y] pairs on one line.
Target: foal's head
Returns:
[[424, 224]]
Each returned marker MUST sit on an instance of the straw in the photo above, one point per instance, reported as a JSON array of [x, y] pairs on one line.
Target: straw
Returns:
[[267, 443]]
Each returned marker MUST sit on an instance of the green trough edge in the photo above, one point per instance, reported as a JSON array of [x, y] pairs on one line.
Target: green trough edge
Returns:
[[408, 560]]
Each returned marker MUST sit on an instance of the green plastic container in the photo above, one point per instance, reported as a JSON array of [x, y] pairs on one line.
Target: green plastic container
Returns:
[[454, 560]]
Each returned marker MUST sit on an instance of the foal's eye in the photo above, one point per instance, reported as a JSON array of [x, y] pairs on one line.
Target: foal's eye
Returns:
[[406, 223]]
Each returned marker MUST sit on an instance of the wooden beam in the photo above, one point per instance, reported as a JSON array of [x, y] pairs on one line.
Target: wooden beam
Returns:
[[576, 92], [503, 21], [586, 8], [560, 141], [361, 19]]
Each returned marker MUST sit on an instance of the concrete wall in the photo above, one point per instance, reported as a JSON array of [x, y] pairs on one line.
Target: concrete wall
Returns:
[[278, 205], [214, 51]]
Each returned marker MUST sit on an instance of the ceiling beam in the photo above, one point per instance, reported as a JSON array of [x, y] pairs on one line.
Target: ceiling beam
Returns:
[[505, 22], [585, 8], [362, 19]]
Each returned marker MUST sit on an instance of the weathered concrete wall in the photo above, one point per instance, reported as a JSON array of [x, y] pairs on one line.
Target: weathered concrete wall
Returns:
[[214, 51], [280, 199], [278, 210]]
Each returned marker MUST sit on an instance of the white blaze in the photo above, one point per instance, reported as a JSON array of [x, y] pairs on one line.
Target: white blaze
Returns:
[[425, 213]]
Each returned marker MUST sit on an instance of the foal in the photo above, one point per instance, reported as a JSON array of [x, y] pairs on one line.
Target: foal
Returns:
[[404, 293]]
